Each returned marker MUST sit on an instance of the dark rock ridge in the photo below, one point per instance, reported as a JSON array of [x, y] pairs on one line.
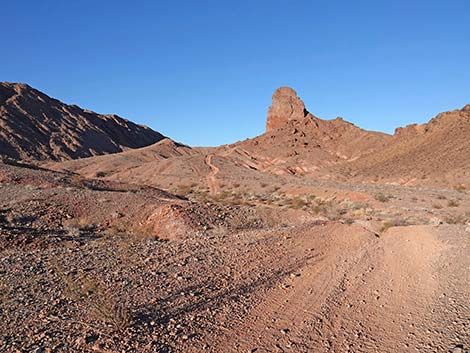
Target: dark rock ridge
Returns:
[[34, 126]]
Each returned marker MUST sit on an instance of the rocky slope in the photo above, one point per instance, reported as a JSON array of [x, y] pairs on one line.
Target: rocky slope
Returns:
[[36, 127], [434, 153]]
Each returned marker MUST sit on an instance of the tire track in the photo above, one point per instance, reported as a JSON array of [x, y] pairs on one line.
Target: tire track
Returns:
[[211, 178]]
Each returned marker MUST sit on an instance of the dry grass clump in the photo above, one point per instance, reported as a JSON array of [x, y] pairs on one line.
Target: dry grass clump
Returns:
[[75, 226], [100, 301], [183, 190], [6, 296], [299, 202], [394, 223], [382, 198], [116, 228], [201, 195], [458, 219], [76, 179], [460, 188]]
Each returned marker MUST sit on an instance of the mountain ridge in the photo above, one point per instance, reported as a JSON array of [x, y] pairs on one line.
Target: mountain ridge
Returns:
[[34, 126]]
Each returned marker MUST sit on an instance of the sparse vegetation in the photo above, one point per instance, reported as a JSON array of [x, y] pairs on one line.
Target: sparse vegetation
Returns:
[[101, 302], [453, 203]]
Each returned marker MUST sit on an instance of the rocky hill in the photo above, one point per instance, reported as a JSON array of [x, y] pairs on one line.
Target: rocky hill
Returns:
[[34, 126], [434, 153], [299, 142]]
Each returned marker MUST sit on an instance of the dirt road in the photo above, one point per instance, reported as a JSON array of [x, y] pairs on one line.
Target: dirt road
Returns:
[[310, 287], [212, 182], [406, 291]]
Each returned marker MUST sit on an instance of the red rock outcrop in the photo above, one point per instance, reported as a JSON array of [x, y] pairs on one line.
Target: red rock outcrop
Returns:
[[286, 106]]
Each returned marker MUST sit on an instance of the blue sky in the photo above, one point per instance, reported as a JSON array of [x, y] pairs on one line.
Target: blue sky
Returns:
[[203, 72]]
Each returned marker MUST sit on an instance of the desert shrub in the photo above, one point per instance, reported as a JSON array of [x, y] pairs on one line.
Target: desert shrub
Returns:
[[6, 295], [76, 179], [100, 174], [116, 228], [72, 231], [218, 230], [75, 226], [393, 223], [458, 219], [354, 206], [437, 206], [101, 302], [298, 202], [453, 203], [183, 190], [441, 197], [382, 198]]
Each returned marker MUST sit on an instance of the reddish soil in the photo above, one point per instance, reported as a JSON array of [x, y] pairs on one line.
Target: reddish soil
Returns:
[[316, 236]]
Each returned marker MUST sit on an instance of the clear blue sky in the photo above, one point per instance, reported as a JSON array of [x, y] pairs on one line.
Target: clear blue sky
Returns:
[[203, 72]]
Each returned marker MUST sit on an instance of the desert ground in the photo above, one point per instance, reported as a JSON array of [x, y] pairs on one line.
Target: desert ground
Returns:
[[316, 236]]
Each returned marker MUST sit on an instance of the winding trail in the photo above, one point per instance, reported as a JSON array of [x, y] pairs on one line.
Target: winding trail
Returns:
[[211, 178]]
